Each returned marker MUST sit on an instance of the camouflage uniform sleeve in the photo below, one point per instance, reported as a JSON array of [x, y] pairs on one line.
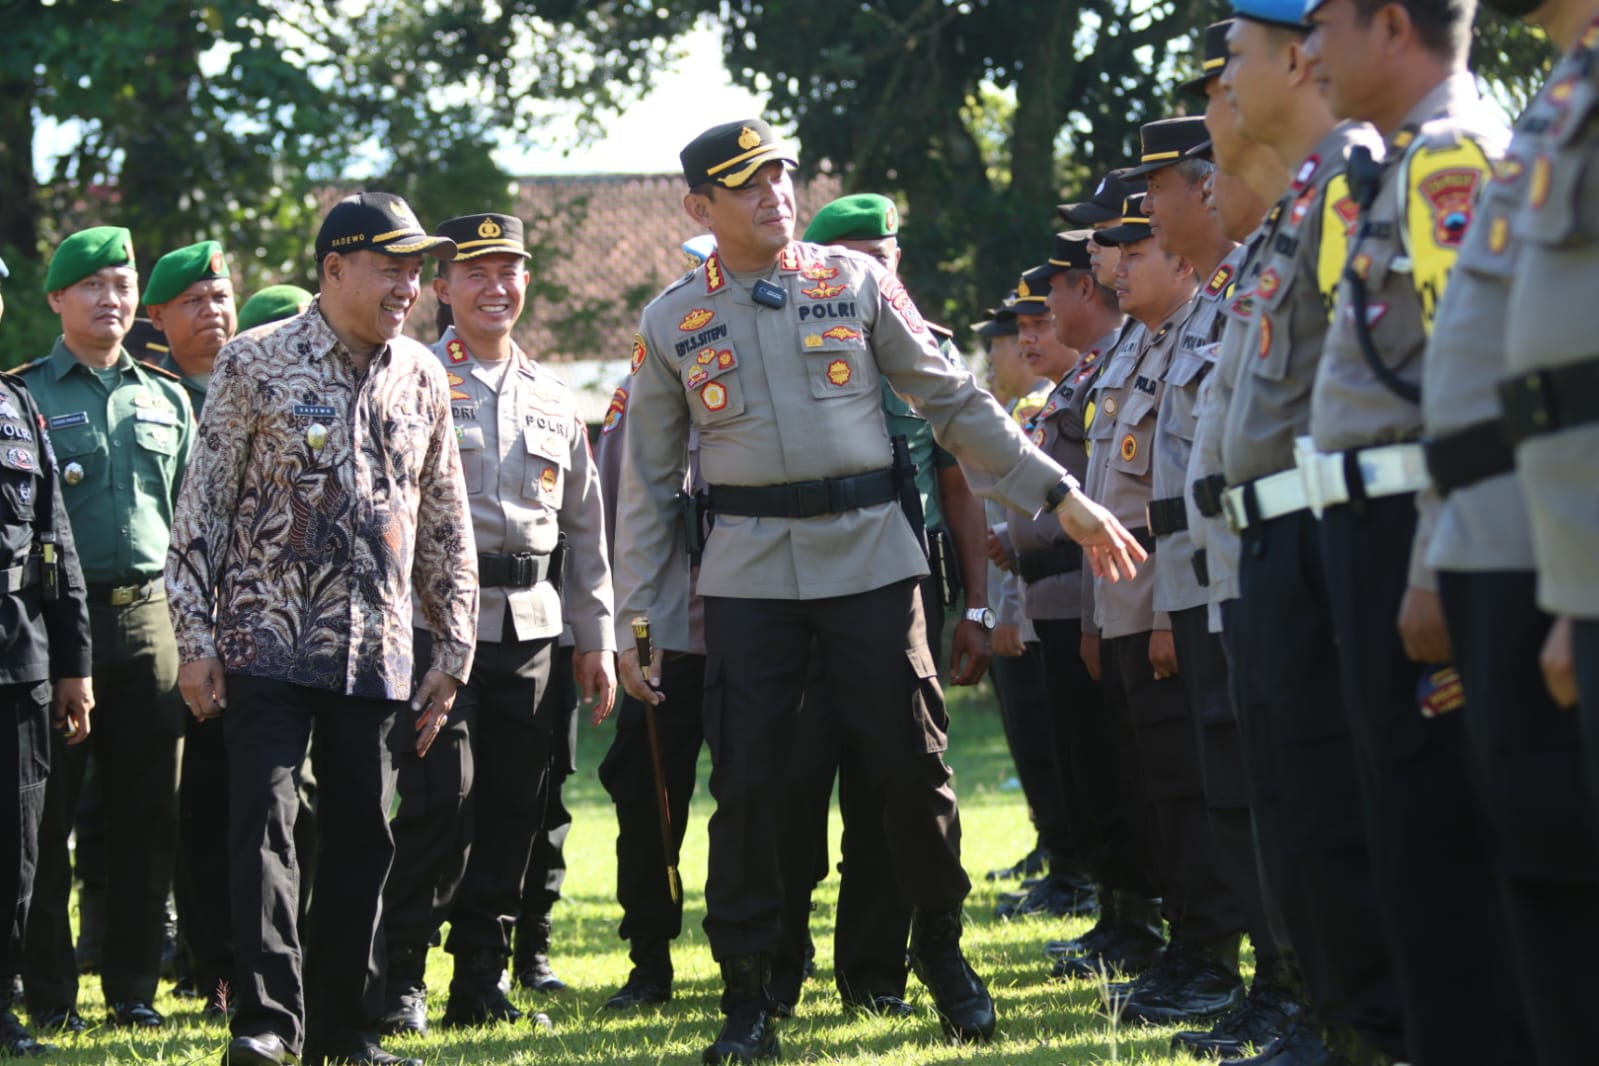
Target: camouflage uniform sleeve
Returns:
[[586, 598], [653, 460]]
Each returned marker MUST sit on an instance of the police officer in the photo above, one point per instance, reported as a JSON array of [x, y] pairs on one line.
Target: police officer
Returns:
[[122, 432], [1291, 722], [45, 680], [1526, 751], [811, 560], [189, 296], [872, 918], [470, 810], [1403, 68]]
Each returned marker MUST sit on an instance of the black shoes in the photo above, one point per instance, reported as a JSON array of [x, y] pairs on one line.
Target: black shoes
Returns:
[[532, 966], [1124, 952], [1202, 983], [476, 997], [537, 975], [1301, 1045], [1264, 1015], [750, 1032], [16, 1042], [1030, 865], [965, 1009], [135, 1015], [882, 1006], [406, 1010], [643, 989], [67, 1020], [1060, 895], [369, 1055], [267, 1049]]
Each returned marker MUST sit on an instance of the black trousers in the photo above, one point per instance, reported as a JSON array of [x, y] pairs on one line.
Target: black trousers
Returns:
[[25, 737], [881, 678], [137, 737], [650, 917], [1234, 864], [1426, 834], [1194, 896], [1585, 653], [546, 865], [332, 1004], [1527, 768], [1024, 708], [1303, 785], [1088, 730]]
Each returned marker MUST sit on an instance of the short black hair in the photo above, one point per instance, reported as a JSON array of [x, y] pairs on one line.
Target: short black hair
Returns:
[[1444, 26], [1105, 295]]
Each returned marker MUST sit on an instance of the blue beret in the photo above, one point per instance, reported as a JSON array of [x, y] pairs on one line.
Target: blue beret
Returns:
[[1286, 13]]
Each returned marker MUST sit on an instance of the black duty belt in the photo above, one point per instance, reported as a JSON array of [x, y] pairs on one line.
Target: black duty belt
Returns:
[[1145, 539], [1207, 494], [1467, 456], [110, 594], [522, 570], [805, 499], [1201, 567], [1166, 516], [16, 578], [1062, 557], [1545, 401]]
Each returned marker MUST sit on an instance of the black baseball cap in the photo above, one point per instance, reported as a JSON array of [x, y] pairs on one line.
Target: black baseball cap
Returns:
[[731, 153], [1105, 202], [378, 222], [485, 234]]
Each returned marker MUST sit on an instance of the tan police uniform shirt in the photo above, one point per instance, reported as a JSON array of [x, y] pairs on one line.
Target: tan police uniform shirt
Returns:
[[1305, 243], [1481, 527], [530, 477], [1220, 543], [1057, 429], [1118, 371], [1438, 161], [679, 575], [1177, 586], [791, 394], [1123, 436], [1550, 323]]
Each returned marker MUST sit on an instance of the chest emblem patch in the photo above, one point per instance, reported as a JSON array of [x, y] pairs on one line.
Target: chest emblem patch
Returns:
[[839, 373], [695, 319], [714, 396], [842, 333]]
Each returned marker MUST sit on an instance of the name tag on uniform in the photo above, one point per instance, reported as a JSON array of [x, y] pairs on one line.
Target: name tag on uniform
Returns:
[[76, 418], [159, 415], [313, 410]]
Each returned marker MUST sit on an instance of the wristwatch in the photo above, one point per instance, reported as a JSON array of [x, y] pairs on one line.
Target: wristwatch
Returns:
[[983, 616], [1057, 495]]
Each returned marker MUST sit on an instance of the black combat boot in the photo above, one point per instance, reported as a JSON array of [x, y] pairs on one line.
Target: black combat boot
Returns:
[[405, 996], [965, 1009], [1204, 984], [650, 983], [532, 955], [1133, 944], [1102, 929], [476, 996], [750, 1032], [1273, 1002]]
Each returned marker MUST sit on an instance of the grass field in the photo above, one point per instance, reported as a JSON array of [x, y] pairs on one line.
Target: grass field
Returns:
[[1041, 1021]]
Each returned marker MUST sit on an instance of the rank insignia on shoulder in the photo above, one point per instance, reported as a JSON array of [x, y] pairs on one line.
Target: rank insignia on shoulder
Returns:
[[457, 350], [614, 413], [789, 259], [1498, 234], [714, 278], [1265, 337], [639, 351], [1538, 184], [695, 319], [1218, 281], [1307, 169], [839, 373], [714, 396]]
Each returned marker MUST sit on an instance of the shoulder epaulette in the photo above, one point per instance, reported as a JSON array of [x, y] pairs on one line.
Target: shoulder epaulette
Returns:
[[163, 371], [29, 365]]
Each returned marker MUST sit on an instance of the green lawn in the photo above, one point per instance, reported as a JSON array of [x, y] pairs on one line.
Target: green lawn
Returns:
[[1041, 1021]]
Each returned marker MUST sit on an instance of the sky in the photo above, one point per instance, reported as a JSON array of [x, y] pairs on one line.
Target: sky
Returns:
[[645, 139]]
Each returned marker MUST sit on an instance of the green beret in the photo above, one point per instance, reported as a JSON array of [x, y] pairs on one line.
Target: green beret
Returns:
[[272, 303], [179, 269], [86, 252], [864, 216]]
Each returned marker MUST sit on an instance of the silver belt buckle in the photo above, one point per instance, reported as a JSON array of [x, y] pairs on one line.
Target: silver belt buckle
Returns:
[[123, 595], [1311, 464], [1232, 508]]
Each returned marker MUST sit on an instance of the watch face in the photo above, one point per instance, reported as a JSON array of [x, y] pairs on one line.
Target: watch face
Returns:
[[983, 616]]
